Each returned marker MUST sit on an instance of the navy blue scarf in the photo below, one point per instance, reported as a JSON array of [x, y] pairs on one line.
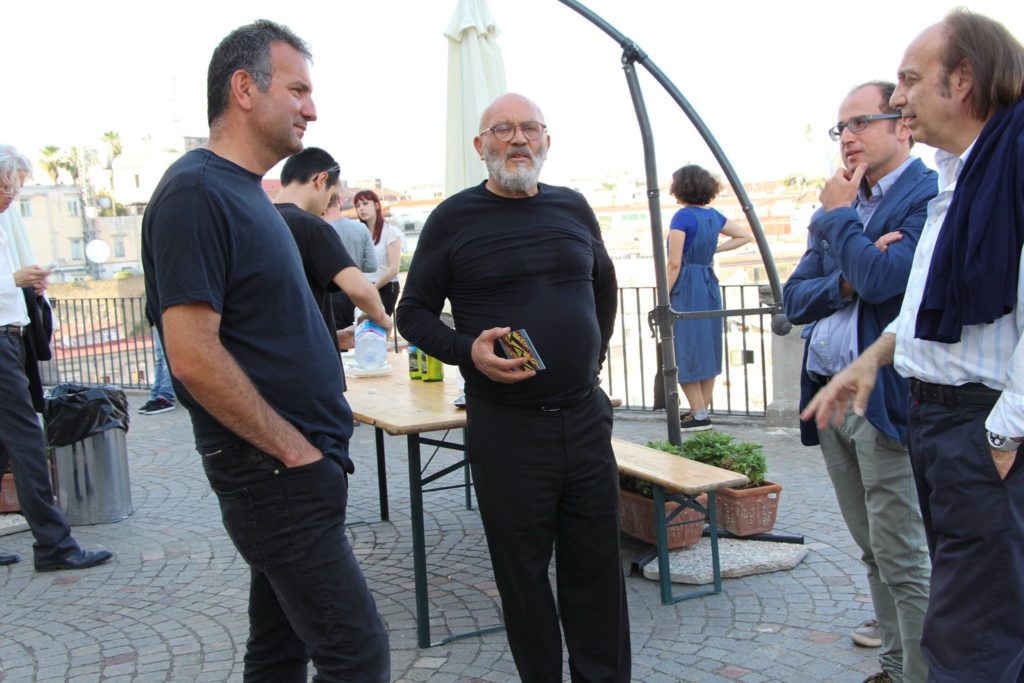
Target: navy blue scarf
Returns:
[[974, 270]]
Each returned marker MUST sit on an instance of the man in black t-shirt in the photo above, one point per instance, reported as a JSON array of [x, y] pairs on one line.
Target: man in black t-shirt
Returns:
[[309, 182], [253, 363], [510, 254]]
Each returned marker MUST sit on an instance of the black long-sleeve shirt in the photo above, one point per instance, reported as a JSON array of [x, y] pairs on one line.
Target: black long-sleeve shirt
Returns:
[[537, 264]]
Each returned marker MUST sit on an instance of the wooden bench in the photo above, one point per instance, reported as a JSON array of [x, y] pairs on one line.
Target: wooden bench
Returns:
[[682, 481]]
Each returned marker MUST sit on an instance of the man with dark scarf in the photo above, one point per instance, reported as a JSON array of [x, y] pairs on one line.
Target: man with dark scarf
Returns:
[[958, 338]]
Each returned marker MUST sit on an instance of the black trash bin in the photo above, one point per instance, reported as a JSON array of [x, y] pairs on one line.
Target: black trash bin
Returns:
[[85, 429]]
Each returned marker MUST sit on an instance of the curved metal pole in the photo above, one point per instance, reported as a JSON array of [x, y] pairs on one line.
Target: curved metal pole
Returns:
[[662, 317], [641, 57], [662, 314]]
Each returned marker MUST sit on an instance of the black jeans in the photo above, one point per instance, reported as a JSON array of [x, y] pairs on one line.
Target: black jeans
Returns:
[[308, 598], [548, 480], [974, 522], [21, 444]]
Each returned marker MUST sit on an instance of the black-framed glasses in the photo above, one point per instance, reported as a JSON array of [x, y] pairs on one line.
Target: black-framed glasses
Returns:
[[858, 124], [504, 132]]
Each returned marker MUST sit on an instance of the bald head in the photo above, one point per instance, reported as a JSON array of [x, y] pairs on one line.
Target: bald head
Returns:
[[498, 110]]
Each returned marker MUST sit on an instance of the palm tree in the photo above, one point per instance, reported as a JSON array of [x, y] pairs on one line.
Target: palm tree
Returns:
[[50, 161], [113, 140], [71, 162]]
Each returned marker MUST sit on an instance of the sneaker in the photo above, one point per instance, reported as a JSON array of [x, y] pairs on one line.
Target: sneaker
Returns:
[[689, 423], [866, 634], [880, 677], [156, 406]]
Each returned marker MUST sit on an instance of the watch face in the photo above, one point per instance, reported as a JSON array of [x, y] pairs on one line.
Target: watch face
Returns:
[[1000, 442]]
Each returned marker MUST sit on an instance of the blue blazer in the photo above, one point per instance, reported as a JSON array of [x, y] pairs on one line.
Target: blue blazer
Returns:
[[839, 245]]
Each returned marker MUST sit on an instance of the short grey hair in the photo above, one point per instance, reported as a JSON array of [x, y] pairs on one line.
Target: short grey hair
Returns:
[[12, 165], [246, 48]]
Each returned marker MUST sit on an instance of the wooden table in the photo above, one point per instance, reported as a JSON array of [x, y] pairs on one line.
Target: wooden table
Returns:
[[404, 407]]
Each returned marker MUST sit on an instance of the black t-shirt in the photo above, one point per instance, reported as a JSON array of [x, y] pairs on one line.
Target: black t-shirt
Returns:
[[323, 256], [536, 264], [210, 234]]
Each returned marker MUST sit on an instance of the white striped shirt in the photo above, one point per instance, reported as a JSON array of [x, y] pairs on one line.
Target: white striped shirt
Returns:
[[991, 354]]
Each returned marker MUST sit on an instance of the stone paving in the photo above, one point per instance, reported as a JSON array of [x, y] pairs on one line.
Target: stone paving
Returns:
[[171, 606]]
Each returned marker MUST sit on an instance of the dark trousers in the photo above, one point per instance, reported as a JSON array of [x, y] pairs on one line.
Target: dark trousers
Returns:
[[389, 297], [974, 522], [344, 310], [308, 598], [21, 444], [543, 480]]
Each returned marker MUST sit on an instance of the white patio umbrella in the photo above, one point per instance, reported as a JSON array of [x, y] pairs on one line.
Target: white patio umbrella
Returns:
[[476, 75]]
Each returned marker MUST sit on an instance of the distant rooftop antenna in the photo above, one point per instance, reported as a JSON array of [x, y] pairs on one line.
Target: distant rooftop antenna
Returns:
[[662, 317]]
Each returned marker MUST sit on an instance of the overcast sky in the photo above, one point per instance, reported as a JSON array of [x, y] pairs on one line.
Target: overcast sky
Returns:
[[758, 73]]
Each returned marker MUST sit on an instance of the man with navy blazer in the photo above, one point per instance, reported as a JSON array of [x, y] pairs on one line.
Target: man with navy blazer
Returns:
[[847, 287]]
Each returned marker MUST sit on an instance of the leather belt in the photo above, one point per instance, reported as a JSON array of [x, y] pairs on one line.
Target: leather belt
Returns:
[[972, 394], [13, 330]]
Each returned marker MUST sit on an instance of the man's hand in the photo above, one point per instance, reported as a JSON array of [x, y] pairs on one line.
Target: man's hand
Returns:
[[1003, 460], [347, 338], [841, 189], [31, 276], [493, 366], [883, 242], [854, 383], [306, 455]]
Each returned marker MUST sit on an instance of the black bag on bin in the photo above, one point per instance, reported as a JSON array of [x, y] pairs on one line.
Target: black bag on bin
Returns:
[[74, 412]]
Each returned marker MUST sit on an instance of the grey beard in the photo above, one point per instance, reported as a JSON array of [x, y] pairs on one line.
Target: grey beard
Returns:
[[522, 179]]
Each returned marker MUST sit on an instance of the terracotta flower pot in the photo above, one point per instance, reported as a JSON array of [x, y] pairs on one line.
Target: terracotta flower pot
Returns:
[[637, 519], [8, 496], [745, 512]]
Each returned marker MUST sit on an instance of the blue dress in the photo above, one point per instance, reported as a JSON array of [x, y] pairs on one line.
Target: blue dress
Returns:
[[698, 343]]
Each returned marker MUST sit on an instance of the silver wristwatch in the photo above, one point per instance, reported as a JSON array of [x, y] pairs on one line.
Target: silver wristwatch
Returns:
[[1001, 443]]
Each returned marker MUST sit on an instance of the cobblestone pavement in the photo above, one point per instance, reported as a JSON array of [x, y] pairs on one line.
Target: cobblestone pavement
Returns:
[[171, 606]]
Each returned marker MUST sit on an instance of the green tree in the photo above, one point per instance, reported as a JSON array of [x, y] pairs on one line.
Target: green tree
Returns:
[[113, 141], [71, 162], [50, 161]]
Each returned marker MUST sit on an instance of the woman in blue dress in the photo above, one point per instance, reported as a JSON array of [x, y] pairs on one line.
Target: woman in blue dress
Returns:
[[693, 241]]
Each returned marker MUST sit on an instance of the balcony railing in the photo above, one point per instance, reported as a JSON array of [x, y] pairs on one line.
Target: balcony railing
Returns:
[[108, 341]]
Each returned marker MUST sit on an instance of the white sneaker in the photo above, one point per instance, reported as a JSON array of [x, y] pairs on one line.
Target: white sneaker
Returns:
[[866, 634]]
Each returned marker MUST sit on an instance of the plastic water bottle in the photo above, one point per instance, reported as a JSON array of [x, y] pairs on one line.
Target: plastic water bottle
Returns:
[[371, 345]]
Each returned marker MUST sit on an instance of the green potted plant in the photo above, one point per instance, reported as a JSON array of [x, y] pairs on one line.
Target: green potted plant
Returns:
[[744, 511], [636, 511]]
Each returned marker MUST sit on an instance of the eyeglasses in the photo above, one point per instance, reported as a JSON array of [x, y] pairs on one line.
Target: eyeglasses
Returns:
[[332, 169], [859, 123], [504, 132]]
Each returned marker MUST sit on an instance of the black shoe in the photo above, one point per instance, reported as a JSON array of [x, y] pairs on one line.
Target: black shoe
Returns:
[[880, 677], [689, 423], [157, 405], [9, 558], [80, 559]]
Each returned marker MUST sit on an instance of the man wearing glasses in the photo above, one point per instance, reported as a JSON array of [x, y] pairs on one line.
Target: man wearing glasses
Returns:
[[847, 287], [513, 254], [959, 339], [309, 182]]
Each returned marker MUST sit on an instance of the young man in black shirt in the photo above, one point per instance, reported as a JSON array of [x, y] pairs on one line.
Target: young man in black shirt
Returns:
[[254, 365], [309, 183], [512, 254]]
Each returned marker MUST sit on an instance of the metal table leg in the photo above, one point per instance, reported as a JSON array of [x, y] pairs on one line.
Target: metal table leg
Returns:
[[382, 474]]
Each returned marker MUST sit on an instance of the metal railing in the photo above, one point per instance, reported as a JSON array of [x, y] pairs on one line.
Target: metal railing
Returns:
[[108, 341], [632, 365]]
